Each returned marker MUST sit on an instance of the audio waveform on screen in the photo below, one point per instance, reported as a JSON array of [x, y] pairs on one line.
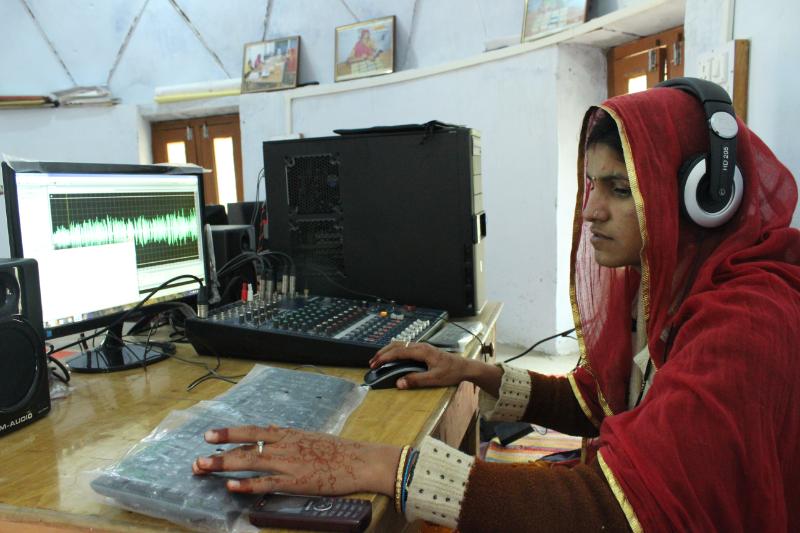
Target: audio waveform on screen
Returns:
[[163, 227], [172, 229]]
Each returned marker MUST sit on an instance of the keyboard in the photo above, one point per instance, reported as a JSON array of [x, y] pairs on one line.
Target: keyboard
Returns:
[[155, 477]]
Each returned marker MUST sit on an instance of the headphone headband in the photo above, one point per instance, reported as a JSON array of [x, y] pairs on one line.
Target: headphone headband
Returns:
[[722, 129]]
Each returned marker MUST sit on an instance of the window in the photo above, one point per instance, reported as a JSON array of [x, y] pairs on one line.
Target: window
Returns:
[[211, 142], [643, 63]]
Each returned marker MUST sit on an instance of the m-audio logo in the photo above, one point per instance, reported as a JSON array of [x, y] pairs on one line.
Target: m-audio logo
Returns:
[[10, 425]]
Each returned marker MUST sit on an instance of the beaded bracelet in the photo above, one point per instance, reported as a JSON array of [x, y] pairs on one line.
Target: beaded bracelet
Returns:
[[399, 478], [407, 476]]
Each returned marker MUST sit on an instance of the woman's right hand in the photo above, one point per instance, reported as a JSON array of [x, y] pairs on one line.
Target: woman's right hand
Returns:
[[444, 368]]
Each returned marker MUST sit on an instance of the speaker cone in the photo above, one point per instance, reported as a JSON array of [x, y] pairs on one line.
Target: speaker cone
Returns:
[[18, 363]]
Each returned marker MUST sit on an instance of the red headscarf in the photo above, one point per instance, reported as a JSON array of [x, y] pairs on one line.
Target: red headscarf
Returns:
[[713, 445]]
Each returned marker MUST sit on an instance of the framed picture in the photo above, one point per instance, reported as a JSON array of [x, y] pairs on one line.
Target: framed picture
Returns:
[[543, 17], [364, 49], [270, 65]]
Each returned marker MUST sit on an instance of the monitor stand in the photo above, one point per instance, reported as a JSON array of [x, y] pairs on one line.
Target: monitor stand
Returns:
[[114, 355]]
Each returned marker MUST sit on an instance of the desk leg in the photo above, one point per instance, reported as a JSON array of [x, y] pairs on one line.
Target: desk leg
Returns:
[[459, 419]]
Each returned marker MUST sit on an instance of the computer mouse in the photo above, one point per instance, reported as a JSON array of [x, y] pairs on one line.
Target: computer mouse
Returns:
[[386, 375]]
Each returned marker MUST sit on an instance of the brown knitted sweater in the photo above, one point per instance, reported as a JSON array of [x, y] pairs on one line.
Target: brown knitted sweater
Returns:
[[537, 497]]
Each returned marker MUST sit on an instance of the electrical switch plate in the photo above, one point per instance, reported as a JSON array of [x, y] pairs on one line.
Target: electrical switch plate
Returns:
[[717, 65]]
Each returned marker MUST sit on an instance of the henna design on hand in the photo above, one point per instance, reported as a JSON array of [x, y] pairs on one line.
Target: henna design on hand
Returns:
[[329, 459]]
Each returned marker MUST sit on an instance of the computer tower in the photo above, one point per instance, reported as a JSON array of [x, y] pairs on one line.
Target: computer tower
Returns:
[[393, 213], [24, 384]]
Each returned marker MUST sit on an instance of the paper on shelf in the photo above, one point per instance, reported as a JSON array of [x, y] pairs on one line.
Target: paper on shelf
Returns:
[[192, 91]]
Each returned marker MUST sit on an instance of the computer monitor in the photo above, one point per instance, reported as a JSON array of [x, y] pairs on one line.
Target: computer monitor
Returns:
[[104, 236]]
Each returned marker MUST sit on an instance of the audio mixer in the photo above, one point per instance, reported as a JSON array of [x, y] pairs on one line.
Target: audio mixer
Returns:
[[309, 329]]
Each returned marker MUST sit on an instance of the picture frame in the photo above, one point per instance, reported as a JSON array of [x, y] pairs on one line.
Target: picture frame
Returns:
[[271, 65], [364, 49], [545, 17]]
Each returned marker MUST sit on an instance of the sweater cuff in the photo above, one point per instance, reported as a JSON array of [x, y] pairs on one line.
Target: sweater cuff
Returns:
[[438, 484], [515, 392]]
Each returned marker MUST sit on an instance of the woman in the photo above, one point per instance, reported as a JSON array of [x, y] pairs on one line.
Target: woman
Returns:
[[687, 375], [364, 48]]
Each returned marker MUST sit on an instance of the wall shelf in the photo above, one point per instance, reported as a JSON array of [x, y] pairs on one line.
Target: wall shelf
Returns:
[[620, 26], [612, 29]]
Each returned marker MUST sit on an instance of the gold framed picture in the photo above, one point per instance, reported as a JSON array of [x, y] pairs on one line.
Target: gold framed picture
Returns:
[[364, 49], [545, 17], [270, 65]]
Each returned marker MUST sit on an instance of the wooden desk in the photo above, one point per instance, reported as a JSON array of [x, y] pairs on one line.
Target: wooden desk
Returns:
[[43, 481]]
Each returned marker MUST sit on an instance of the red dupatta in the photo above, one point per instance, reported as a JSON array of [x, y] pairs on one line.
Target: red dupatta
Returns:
[[713, 445]]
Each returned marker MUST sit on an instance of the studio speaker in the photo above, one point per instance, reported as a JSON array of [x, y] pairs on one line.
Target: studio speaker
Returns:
[[24, 386], [229, 241]]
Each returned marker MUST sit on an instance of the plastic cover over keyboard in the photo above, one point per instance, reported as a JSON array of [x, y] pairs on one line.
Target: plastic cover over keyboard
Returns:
[[155, 476]]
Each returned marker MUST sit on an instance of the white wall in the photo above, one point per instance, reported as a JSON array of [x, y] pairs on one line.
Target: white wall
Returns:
[[97, 135], [513, 103], [135, 46], [773, 110], [582, 83], [774, 80]]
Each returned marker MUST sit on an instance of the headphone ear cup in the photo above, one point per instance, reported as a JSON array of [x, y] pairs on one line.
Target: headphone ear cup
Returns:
[[691, 174], [690, 168]]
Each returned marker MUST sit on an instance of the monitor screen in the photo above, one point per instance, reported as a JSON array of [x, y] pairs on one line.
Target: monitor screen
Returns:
[[104, 236]]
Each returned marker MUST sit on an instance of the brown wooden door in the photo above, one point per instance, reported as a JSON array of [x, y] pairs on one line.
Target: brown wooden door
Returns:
[[211, 142], [644, 63], [224, 157], [170, 140]]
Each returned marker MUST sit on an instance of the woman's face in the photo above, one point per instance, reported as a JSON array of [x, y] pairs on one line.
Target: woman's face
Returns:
[[610, 209]]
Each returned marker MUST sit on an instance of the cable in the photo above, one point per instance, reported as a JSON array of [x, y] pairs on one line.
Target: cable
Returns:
[[315, 368], [260, 210], [459, 326], [261, 176], [65, 377], [211, 373], [280, 254], [235, 281], [122, 317], [562, 334], [240, 260], [351, 291]]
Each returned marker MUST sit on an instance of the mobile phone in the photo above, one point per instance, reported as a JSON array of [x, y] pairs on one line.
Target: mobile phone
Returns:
[[311, 512]]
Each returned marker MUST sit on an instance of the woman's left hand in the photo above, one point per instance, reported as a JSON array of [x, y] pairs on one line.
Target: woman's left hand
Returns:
[[301, 462]]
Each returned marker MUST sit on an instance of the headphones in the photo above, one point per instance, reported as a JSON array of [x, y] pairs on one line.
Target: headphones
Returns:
[[711, 185]]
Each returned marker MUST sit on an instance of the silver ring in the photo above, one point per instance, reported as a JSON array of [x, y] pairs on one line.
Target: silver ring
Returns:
[[260, 445]]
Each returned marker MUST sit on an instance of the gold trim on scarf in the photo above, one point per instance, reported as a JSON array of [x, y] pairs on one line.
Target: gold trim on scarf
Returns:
[[583, 360], [603, 403], [638, 200], [636, 526], [633, 179], [576, 229], [578, 396], [577, 218]]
